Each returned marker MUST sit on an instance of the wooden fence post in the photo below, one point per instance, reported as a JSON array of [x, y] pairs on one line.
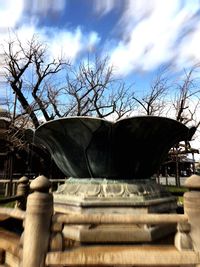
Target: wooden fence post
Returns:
[[6, 189], [183, 240], [22, 190], [37, 223], [192, 209]]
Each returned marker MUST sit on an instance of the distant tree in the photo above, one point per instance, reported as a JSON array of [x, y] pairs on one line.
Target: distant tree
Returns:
[[153, 102], [183, 107], [186, 101]]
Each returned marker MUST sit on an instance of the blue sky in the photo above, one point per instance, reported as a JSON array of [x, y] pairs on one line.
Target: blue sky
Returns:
[[139, 36]]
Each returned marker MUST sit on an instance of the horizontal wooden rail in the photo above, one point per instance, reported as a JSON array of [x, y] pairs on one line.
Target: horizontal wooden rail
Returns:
[[123, 256], [16, 180], [10, 199], [120, 218], [9, 212]]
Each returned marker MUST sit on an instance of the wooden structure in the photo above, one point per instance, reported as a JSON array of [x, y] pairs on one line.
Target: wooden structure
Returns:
[[16, 160], [6, 186], [43, 243], [177, 163]]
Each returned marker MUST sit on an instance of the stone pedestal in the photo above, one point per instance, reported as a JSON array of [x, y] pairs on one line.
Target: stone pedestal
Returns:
[[114, 196]]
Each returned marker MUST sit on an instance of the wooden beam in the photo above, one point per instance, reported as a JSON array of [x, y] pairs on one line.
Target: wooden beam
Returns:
[[9, 242], [123, 256], [10, 212], [120, 218]]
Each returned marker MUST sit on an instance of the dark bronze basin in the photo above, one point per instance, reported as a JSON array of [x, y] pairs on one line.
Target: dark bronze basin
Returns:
[[132, 148]]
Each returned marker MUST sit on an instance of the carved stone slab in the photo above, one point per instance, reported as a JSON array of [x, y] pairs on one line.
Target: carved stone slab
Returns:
[[106, 192]]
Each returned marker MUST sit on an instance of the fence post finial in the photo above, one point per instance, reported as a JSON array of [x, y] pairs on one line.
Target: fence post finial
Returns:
[[22, 190]]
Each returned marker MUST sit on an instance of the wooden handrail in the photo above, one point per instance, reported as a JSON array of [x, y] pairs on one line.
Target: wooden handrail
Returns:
[[11, 199], [120, 218], [10, 212], [16, 180]]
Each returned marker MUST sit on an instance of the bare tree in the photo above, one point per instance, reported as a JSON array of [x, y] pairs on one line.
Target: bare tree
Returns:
[[28, 68], [186, 103], [94, 91], [154, 101], [183, 107], [89, 89], [187, 98]]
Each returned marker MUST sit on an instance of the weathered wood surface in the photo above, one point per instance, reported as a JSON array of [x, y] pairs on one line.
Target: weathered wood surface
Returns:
[[120, 218], [6, 213], [122, 256], [2, 256], [9, 242], [12, 260]]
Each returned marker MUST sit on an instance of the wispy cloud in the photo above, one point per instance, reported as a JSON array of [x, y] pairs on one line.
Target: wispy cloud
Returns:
[[149, 33], [70, 44], [189, 48], [103, 7], [155, 32], [42, 7]]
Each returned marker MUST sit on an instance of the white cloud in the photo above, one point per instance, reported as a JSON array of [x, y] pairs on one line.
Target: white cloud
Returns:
[[70, 44], [102, 7], [93, 40], [25, 32], [10, 13], [151, 33], [67, 44], [45, 6]]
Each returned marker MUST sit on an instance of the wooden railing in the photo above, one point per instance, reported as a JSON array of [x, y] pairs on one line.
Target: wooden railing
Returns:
[[11, 213], [43, 242], [9, 188], [10, 241], [181, 253]]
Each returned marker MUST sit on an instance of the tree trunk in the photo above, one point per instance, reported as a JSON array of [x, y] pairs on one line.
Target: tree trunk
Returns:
[[177, 177], [25, 104], [41, 105]]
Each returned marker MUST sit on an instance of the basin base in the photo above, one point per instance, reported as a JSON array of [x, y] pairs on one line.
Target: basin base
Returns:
[[90, 196], [117, 233]]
